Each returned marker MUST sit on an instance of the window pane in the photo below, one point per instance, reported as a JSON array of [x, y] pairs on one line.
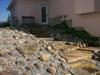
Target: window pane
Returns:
[[43, 13]]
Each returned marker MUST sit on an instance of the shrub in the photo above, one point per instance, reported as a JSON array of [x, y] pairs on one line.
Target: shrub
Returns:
[[63, 27], [3, 25], [83, 34]]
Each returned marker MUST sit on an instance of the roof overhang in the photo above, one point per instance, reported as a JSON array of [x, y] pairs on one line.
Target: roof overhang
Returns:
[[11, 4]]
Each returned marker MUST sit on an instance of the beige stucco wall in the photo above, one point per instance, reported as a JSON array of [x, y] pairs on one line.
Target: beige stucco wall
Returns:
[[97, 5], [91, 22], [58, 9], [84, 6], [87, 6], [31, 8]]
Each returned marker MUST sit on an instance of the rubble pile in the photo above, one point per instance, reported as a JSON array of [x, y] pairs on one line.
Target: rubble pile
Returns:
[[24, 54]]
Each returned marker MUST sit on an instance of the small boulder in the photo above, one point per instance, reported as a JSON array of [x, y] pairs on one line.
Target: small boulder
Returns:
[[45, 57], [51, 70]]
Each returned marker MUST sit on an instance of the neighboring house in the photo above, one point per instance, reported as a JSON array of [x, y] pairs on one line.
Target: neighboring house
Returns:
[[82, 13]]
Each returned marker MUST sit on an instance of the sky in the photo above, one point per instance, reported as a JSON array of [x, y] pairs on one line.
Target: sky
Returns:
[[3, 9]]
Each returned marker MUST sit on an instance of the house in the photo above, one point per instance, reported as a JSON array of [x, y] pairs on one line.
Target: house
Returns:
[[79, 13]]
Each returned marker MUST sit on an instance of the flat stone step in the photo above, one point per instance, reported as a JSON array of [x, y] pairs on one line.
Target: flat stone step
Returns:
[[59, 42], [46, 39], [74, 56], [92, 49], [60, 45], [81, 64]]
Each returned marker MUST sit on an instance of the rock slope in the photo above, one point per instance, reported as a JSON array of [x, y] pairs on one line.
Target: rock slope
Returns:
[[24, 54]]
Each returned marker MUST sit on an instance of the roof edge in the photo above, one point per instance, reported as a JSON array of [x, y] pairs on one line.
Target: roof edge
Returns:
[[11, 4]]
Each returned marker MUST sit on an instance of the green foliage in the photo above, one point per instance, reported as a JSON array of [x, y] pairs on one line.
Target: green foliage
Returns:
[[3, 25], [6, 24], [63, 27], [83, 34]]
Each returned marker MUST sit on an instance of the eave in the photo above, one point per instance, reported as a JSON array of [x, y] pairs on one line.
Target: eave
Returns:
[[11, 5]]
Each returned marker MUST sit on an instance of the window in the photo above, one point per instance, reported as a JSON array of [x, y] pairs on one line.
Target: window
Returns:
[[43, 10]]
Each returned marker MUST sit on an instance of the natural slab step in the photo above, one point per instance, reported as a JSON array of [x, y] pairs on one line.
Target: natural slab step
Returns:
[[82, 64], [74, 56], [92, 49], [75, 65], [59, 42], [69, 48], [46, 39], [60, 45]]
